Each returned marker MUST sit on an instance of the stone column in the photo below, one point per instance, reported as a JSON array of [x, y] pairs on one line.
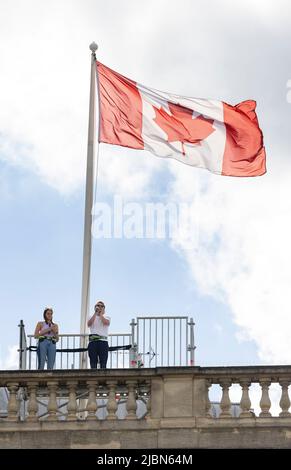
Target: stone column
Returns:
[[131, 401], [52, 406], [285, 400], [245, 402], [72, 404], [32, 403], [225, 400], [13, 405], [111, 404], [265, 402], [91, 407]]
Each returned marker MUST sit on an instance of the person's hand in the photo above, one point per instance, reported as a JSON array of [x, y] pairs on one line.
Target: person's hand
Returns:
[[99, 309], [54, 329]]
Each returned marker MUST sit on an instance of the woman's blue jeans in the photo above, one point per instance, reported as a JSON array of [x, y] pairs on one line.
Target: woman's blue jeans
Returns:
[[46, 350]]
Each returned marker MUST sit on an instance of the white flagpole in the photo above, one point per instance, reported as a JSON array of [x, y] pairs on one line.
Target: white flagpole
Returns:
[[88, 206]]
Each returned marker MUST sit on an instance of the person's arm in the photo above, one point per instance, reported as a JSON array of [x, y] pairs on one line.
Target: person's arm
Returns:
[[55, 330], [36, 331], [91, 320], [40, 331], [104, 320]]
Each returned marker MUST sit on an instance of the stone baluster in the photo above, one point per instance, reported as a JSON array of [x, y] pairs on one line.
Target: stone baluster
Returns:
[[91, 407], [285, 400], [32, 407], [111, 404], [131, 401], [265, 402], [72, 403], [13, 405], [245, 402], [225, 400], [52, 406]]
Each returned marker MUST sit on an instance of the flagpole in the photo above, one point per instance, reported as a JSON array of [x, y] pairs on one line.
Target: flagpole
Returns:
[[87, 244]]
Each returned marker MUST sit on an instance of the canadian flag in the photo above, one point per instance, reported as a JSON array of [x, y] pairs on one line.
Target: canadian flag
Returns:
[[209, 134]]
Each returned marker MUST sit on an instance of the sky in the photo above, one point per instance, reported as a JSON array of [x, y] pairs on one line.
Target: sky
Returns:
[[233, 277]]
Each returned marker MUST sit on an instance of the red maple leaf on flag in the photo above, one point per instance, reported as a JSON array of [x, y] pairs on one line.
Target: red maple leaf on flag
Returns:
[[180, 126]]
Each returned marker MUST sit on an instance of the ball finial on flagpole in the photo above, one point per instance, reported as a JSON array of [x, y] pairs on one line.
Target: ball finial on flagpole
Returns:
[[93, 47]]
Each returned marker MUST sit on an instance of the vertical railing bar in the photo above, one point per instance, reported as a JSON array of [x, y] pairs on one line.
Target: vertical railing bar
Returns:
[[137, 338], [150, 341], [174, 341], [74, 355], [29, 355], [187, 351], [168, 340], [162, 355], [180, 341], [20, 356], [61, 360], [156, 342], [111, 352], [67, 352], [192, 340], [123, 352], [143, 338], [193, 345]]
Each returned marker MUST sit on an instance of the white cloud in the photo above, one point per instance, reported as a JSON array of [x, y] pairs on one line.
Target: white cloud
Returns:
[[124, 172], [45, 67], [10, 360], [44, 94], [243, 257]]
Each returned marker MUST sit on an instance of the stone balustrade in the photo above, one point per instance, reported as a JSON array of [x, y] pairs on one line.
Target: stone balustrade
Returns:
[[162, 407], [73, 396]]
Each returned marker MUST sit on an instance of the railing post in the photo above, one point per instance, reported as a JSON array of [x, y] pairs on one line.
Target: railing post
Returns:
[[133, 325], [191, 346], [22, 346], [134, 348]]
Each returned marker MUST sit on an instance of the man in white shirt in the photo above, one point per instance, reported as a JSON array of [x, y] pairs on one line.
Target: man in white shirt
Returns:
[[98, 338]]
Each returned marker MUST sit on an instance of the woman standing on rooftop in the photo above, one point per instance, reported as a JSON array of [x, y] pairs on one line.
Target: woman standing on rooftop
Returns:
[[47, 333]]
